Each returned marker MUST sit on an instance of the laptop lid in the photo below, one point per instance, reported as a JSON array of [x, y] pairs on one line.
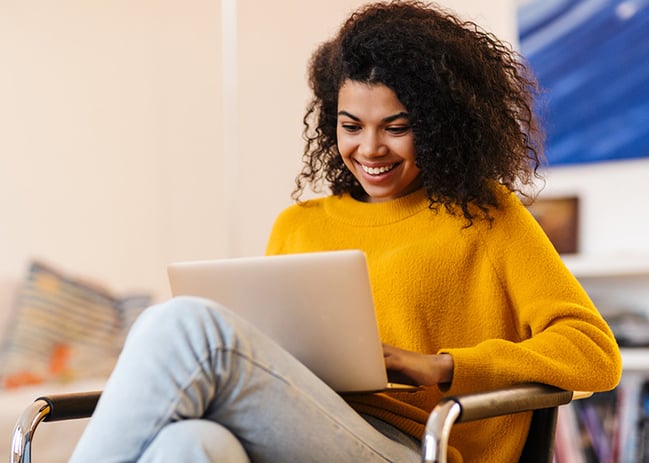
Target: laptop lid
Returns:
[[318, 306]]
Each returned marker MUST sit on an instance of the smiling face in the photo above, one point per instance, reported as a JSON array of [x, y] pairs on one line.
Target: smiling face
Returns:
[[375, 140]]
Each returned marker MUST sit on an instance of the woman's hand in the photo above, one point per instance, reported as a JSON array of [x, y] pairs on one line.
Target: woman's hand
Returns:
[[420, 369]]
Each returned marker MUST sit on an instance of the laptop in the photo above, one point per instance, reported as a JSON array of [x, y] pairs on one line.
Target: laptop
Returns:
[[318, 306]]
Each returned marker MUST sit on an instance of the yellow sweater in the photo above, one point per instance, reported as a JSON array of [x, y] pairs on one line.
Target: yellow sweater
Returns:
[[496, 297]]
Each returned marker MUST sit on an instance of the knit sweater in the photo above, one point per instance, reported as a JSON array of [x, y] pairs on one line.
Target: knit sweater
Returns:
[[495, 295]]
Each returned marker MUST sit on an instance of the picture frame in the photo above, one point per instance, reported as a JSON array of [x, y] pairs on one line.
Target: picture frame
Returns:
[[559, 218]]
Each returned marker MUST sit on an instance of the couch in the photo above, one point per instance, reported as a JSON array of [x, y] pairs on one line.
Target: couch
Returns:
[[54, 443], [24, 376]]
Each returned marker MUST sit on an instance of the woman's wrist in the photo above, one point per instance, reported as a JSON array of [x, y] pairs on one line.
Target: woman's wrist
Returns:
[[443, 363]]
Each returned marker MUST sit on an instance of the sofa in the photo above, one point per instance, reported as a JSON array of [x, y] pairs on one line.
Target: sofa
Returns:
[[58, 333]]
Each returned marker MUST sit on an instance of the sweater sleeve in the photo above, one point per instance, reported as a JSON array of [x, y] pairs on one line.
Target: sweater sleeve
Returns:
[[280, 235], [274, 244], [564, 341]]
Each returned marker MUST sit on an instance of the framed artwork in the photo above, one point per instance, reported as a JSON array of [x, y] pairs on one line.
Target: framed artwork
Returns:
[[559, 218], [591, 58]]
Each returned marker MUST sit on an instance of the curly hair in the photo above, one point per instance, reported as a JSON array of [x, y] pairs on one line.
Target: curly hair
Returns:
[[469, 99]]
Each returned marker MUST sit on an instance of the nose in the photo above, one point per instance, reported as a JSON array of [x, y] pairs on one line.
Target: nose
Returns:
[[371, 145]]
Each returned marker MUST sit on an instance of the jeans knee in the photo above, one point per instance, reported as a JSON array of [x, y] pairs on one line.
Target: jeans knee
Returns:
[[186, 317], [178, 311]]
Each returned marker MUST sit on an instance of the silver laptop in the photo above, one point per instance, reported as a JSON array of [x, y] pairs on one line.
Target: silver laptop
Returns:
[[318, 306]]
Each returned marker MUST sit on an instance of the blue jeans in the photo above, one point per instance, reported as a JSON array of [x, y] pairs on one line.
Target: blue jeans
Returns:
[[196, 383]]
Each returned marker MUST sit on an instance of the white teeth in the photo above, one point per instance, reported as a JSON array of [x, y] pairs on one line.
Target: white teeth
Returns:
[[377, 170]]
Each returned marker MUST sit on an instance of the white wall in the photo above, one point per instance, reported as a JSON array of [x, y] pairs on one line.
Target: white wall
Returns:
[[614, 206], [121, 149], [110, 127]]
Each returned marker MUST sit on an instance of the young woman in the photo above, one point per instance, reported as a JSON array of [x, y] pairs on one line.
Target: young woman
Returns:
[[422, 128]]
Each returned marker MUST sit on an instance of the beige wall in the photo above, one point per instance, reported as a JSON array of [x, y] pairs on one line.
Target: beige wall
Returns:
[[128, 139], [110, 126]]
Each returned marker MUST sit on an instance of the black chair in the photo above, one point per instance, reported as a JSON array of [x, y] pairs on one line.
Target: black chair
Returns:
[[543, 400]]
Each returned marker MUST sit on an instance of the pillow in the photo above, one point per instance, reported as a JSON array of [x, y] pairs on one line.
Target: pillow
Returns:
[[64, 329], [8, 291]]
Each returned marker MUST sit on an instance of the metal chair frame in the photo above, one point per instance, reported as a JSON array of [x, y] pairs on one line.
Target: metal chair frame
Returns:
[[541, 399]]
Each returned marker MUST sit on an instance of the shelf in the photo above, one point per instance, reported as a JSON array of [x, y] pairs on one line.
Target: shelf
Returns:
[[635, 358], [608, 266]]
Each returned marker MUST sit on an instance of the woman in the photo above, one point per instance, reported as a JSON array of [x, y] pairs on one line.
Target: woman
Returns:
[[422, 128]]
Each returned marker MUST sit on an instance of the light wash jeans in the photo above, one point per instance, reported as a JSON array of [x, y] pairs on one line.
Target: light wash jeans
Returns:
[[195, 383]]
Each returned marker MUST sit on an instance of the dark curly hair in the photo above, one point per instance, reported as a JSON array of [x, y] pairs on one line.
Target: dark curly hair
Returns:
[[469, 98]]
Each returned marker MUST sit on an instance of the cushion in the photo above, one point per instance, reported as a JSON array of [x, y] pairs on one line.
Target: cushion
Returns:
[[63, 329], [8, 290]]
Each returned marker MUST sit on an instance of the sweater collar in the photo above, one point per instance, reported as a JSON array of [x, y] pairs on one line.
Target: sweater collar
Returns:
[[355, 212]]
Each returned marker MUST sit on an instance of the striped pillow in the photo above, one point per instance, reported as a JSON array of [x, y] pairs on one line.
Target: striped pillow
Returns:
[[64, 329]]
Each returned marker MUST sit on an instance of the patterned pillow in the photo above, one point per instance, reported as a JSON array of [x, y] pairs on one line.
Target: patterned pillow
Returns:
[[64, 329]]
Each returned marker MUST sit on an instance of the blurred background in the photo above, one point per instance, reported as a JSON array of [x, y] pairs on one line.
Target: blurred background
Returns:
[[591, 56]]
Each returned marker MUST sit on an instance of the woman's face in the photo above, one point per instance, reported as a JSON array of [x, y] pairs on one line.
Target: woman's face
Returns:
[[375, 140]]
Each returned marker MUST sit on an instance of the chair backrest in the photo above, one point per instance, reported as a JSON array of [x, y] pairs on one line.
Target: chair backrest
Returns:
[[539, 445]]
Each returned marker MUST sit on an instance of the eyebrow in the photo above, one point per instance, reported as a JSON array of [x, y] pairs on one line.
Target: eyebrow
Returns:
[[385, 120]]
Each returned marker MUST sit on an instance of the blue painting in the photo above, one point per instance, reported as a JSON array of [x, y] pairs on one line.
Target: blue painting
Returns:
[[591, 58]]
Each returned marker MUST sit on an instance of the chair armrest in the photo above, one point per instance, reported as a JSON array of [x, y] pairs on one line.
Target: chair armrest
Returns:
[[71, 406], [450, 410], [56, 407], [471, 407]]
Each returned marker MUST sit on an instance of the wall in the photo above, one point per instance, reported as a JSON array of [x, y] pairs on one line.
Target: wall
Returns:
[[110, 123], [613, 206], [128, 139]]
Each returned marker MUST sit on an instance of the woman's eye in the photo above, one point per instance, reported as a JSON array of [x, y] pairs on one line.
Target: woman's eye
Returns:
[[398, 129], [350, 127]]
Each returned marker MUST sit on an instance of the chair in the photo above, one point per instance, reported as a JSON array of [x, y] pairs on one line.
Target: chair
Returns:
[[543, 400]]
